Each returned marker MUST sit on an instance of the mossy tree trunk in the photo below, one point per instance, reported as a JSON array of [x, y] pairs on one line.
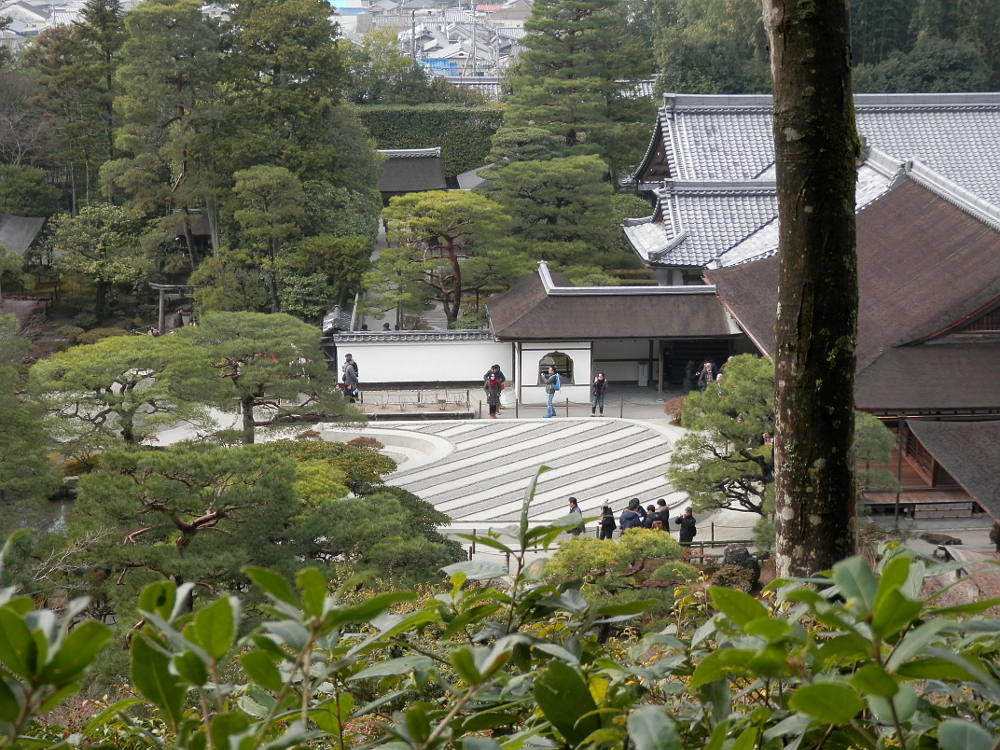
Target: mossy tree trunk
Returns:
[[816, 150]]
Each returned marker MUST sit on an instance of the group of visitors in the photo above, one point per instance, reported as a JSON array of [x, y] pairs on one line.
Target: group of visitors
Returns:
[[651, 517], [493, 382], [701, 376]]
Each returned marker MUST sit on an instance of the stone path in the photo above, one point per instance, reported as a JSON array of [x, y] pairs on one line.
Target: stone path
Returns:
[[482, 482]]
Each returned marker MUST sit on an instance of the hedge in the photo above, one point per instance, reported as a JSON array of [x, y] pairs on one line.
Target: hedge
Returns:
[[462, 132]]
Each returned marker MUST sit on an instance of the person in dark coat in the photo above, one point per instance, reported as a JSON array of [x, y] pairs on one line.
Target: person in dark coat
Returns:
[[607, 523], [575, 508], [350, 377], [630, 518], [688, 527], [179, 319], [498, 373], [493, 388], [647, 522], [597, 390]]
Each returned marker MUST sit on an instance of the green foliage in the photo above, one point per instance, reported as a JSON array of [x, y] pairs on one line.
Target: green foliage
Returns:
[[676, 572], [97, 334], [449, 244], [26, 473], [229, 282], [462, 132], [561, 208], [604, 562], [101, 246], [711, 47], [725, 460], [25, 192], [933, 65], [380, 75], [853, 658], [270, 365], [363, 469], [119, 389]]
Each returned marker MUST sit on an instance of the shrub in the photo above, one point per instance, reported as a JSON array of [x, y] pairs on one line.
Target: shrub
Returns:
[[366, 443], [98, 334], [733, 577], [85, 320], [69, 332], [675, 572]]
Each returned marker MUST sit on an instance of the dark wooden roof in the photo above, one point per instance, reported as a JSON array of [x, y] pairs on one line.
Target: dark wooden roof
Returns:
[[529, 311], [412, 171], [925, 267], [969, 452]]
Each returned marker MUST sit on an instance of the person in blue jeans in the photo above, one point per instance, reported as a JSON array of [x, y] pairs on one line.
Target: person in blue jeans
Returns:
[[550, 391]]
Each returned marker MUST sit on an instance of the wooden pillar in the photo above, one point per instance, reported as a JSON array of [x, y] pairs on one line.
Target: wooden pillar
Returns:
[[163, 311]]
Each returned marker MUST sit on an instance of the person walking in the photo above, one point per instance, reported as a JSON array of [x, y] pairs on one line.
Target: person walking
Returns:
[[575, 508], [597, 390], [552, 385], [493, 387], [607, 523], [688, 527], [350, 378]]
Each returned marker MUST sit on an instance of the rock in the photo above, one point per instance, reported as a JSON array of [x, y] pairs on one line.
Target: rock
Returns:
[[737, 554], [940, 538]]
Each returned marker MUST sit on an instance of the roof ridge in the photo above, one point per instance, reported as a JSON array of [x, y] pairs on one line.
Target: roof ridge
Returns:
[[963, 199]]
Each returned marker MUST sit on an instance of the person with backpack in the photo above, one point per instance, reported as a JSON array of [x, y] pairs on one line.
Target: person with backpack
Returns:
[[552, 385], [350, 377]]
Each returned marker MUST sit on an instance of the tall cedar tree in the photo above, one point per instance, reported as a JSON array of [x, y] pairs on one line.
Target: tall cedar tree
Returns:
[[816, 150], [563, 81]]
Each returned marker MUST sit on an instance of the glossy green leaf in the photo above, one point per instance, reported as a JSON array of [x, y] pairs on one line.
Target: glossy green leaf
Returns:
[[911, 644], [972, 608], [628, 608], [159, 598], [894, 574], [464, 664], [769, 629], [956, 734], [856, 583], [565, 701], [739, 607], [367, 610], [215, 626], [720, 663], [480, 743], [746, 740], [486, 541], [262, 670], [76, 653], [54, 699], [272, 584], [651, 728], [10, 708], [331, 715], [904, 701], [828, 702], [402, 665], [933, 668], [226, 727], [151, 676], [18, 649], [893, 613], [477, 570], [314, 591], [251, 707], [191, 668], [481, 722], [872, 679]]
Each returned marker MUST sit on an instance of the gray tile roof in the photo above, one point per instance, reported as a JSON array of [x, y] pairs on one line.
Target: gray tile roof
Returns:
[[715, 155]]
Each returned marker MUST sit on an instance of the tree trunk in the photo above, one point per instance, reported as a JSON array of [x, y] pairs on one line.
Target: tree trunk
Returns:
[[816, 148], [249, 428]]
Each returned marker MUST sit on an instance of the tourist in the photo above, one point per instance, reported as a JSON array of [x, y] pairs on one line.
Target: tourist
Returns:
[[495, 370], [575, 508], [493, 387], [607, 523], [597, 390], [350, 378], [689, 527], [629, 519], [552, 385]]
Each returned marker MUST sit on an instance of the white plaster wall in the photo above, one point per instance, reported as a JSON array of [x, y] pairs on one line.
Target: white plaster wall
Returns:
[[530, 355], [391, 362]]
